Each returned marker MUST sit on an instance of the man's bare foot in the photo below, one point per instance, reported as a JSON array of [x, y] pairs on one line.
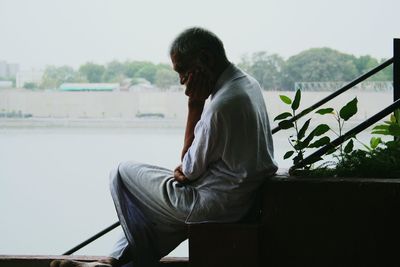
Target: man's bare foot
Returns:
[[71, 263]]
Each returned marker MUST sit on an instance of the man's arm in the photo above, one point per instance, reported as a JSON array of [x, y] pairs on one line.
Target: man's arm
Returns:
[[198, 90], [195, 109]]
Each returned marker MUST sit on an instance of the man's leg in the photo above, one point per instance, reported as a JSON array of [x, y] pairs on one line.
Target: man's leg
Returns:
[[119, 256], [122, 251]]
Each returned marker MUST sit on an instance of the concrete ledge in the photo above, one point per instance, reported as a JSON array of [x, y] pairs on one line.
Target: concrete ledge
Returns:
[[218, 245], [330, 222], [44, 261]]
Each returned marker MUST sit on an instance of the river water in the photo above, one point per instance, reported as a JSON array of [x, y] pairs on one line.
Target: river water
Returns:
[[54, 183]]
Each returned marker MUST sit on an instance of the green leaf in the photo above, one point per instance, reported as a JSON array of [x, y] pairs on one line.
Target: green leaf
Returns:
[[320, 142], [374, 142], [285, 99], [296, 101], [393, 118], [349, 147], [286, 124], [282, 116], [321, 129], [288, 154], [324, 111], [381, 127], [381, 132], [308, 139], [349, 109], [394, 130], [392, 144], [397, 116], [303, 129], [300, 145]]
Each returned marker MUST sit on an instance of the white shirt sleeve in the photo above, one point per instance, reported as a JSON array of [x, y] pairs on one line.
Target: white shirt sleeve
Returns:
[[201, 153]]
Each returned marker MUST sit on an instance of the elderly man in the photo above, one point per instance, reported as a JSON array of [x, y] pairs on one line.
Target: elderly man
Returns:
[[227, 154]]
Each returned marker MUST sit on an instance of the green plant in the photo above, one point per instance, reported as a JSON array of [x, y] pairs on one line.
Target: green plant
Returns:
[[301, 142], [380, 159], [345, 113], [390, 127]]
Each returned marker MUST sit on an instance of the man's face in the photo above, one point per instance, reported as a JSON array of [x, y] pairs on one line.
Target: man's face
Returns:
[[195, 75], [184, 67]]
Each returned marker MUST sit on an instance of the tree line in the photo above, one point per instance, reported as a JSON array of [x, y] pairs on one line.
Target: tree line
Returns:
[[160, 75], [312, 65], [271, 70]]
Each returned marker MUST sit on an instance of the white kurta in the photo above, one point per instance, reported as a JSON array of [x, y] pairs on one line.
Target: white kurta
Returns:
[[231, 155], [232, 152]]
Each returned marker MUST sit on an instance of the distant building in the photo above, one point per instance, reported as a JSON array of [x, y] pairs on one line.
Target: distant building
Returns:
[[142, 85], [8, 70], [89, 87], [6, 84], [28, 76]]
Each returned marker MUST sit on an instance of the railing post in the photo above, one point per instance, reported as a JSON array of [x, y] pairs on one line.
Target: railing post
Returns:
[[396, 69]]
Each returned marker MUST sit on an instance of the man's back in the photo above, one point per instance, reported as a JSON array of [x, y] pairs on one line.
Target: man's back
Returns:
[[232, 150]]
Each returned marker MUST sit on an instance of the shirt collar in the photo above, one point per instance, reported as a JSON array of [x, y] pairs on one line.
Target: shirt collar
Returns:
[[231, 72]]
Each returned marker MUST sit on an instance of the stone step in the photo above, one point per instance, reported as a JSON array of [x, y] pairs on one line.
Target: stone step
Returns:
[[44, 261]]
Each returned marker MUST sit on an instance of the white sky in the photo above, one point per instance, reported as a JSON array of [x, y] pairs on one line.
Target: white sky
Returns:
[[36, 33]]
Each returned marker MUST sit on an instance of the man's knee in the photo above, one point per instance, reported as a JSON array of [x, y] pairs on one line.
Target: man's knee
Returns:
[[115, 174]]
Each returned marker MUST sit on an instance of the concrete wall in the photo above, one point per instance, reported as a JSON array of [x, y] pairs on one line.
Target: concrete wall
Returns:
[[89, 104], [172, 104]]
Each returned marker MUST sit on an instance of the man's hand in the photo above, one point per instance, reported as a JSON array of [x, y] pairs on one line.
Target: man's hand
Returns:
[[198, 86], [179, 176]]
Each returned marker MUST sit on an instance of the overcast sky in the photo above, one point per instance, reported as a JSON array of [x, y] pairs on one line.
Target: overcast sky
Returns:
[[36, 33]]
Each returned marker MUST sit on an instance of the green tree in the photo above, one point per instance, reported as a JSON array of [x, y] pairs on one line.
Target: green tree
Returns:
[[266, 68], [114, 72], [387, 73], [92, 72], [132, 67], [366, 63], [54, 76], [319, 65], [165, 77], [147, 71]]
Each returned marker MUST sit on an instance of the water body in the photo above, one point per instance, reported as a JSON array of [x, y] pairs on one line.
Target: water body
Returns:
[[54, 183]]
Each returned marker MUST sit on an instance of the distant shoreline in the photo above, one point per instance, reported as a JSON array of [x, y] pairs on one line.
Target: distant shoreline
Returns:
[[18, 123], [118, 124]]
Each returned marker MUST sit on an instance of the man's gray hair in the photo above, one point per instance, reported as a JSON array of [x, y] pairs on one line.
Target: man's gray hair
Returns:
[[193, 40]]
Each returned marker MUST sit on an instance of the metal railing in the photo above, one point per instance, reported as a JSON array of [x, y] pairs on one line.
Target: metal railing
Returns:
[[91, 239], [362, 126], [395, 60], [365, 124]]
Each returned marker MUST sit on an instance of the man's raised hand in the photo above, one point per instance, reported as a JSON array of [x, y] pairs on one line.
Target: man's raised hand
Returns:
[[198, 86]]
